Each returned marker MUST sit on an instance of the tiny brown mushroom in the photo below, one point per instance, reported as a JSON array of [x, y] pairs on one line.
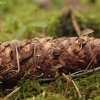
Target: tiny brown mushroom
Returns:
[[86, 32], [42, 35], [15, 44]]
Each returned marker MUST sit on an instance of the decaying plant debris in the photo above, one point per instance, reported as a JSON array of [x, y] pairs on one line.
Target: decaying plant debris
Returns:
[[46, 57]]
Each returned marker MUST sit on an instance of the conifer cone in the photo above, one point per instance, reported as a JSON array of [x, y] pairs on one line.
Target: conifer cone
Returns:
[[46, 57]]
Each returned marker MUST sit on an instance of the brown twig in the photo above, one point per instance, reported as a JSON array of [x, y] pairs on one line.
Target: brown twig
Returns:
[[82, 72], [90, 50], [69, 80], [9, 95], [67, 85], [75, 24], [52, 88], [94, 57], [77, 89]]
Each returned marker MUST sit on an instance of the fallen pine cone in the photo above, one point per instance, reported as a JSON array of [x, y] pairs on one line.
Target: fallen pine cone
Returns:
[[46, 57]]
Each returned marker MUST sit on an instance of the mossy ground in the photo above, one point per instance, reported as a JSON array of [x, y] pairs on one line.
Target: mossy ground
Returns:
[[89, 86]]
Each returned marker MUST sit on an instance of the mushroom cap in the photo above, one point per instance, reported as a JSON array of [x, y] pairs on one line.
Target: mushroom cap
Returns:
[[15, 43], [86, 32]]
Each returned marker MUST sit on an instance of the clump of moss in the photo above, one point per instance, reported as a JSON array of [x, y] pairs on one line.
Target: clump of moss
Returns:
[[89, 86]]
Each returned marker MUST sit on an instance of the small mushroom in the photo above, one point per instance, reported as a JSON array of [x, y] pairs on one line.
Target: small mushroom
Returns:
[[35, 40], [86, 32], [42, 35], [15, 44]]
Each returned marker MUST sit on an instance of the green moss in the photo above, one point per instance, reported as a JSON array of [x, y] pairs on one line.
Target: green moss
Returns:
[[89, 86]]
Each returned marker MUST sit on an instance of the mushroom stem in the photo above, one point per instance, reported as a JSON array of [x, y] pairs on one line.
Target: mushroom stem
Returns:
[[17, 60], [81, 42], [35, 65], [81, 46], [90, 49]]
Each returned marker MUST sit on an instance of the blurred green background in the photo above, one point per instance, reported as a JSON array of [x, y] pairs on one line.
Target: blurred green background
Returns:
[[30, 18]]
